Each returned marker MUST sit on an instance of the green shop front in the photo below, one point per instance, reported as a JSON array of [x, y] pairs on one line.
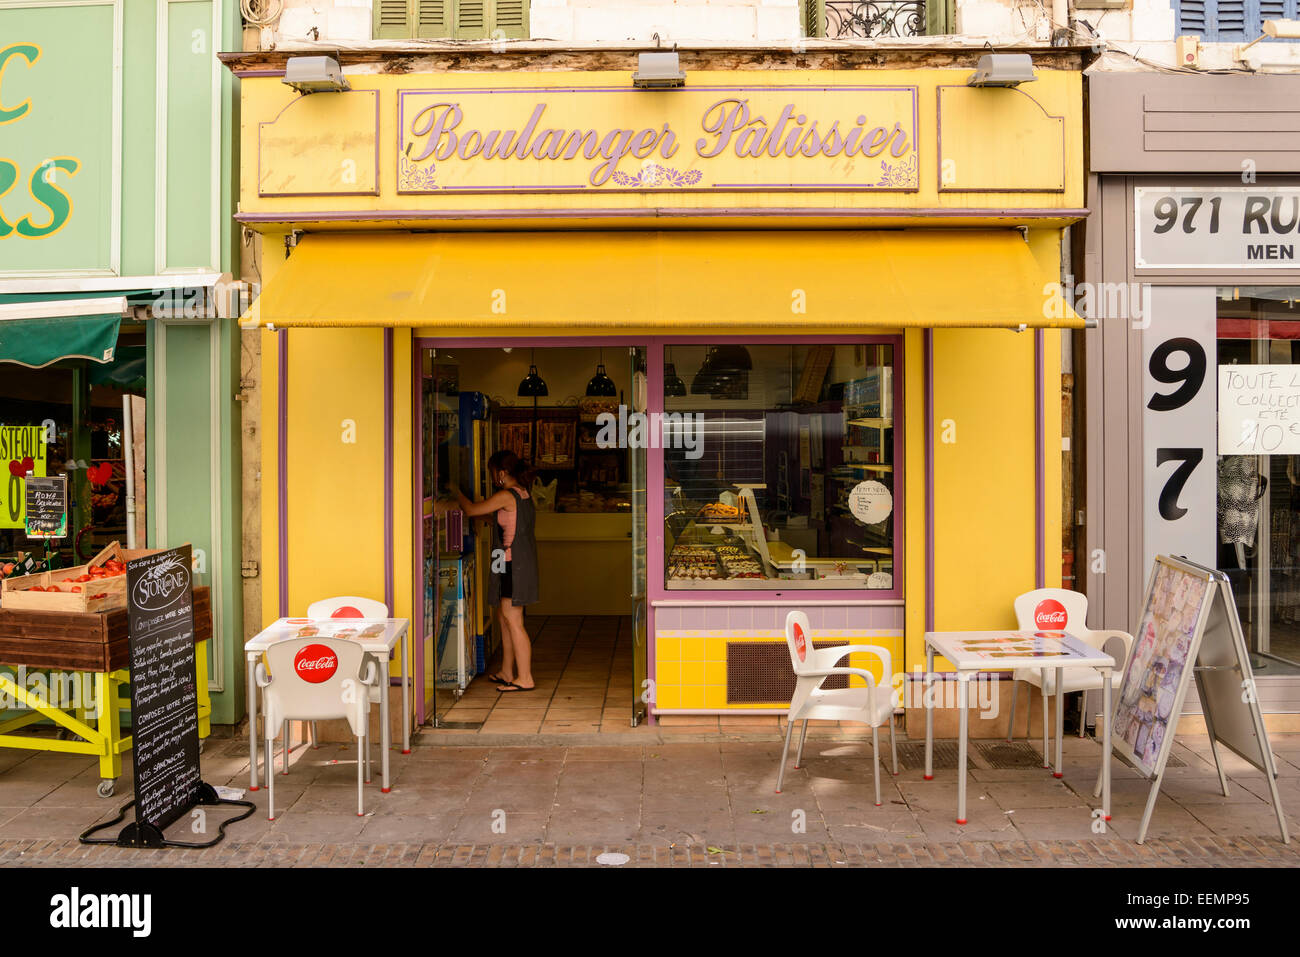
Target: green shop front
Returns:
[[119, 366]]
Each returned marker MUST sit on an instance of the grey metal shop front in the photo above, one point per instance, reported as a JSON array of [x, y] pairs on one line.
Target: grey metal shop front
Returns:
[[1190, 259]]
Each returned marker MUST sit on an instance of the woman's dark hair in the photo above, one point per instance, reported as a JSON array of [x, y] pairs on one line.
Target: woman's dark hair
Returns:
[[506, 461]]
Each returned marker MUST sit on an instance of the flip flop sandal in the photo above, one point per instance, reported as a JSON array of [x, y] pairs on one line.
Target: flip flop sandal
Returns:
[[510, 686], [496, 679]]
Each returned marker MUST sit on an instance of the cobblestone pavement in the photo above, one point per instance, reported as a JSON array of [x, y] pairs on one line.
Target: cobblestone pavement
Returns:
[[675, 804]]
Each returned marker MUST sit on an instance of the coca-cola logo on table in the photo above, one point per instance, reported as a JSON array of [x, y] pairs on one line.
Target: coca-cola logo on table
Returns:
[[800, 643], [315, 663], [1049, 615]]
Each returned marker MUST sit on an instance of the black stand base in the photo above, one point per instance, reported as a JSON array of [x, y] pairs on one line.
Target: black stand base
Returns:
[[137, 834]]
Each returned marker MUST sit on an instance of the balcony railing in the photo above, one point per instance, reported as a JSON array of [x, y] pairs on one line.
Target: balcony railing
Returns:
[[875, 18]]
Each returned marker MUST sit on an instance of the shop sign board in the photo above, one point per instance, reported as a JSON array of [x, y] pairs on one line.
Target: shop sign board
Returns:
[[1179, 475], [164, 686], [60, 110], [1189, 627], [1235, 227], [569, 139], [47, 507], [22, 450], [1259, 410]]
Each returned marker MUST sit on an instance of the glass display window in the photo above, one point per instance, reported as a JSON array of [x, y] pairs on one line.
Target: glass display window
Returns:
[[781, 466], [1258, 533]]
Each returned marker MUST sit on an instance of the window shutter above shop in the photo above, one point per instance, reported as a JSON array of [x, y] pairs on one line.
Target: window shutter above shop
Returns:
[[471, 19], [1191, 18], [1231, 21], [1230, 18], [392, 20], [448, 19], [511, 19], [432, 21]]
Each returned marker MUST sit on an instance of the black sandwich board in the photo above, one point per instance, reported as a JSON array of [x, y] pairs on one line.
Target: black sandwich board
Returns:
[[164, 701]]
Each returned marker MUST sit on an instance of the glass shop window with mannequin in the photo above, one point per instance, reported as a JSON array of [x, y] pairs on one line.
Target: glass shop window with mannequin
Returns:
[[781, 466], [1259, 494]]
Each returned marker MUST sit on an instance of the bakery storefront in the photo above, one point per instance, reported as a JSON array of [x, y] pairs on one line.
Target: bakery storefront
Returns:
[[1191, 270], [786, 337]]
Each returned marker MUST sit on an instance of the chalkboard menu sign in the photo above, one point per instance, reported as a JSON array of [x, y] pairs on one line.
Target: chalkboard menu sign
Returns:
[[47, 506], [164, 692]]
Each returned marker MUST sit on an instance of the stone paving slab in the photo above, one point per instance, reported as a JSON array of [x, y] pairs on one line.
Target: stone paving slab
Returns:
[[1112, 852], [699, 804]]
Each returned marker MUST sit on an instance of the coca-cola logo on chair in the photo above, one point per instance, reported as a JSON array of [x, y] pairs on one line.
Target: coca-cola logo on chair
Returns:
[[315, 663], [800, 643], [1049, 615]]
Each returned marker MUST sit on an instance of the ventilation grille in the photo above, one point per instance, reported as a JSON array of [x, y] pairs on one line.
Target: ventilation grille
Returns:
[[758, 672], [911, 756], [1003, 756]]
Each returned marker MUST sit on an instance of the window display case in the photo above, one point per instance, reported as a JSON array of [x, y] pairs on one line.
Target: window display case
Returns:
[[780, 469]]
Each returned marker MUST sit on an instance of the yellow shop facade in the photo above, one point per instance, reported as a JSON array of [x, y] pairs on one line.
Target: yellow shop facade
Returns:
[[785, 337]]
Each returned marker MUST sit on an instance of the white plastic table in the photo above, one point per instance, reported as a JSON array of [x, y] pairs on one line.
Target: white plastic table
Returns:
[[974, 651], [381, 646]]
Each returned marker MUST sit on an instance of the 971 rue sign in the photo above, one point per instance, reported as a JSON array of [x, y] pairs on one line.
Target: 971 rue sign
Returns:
[[1241, 227]]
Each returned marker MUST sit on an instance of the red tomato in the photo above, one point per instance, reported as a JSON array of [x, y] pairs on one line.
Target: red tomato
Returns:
[[76, 589]]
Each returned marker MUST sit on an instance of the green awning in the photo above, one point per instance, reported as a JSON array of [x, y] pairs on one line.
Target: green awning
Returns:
[[128, 371], [37, 334]]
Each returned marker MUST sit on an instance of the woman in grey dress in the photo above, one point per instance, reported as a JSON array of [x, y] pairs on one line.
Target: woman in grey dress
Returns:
[[513, 581]]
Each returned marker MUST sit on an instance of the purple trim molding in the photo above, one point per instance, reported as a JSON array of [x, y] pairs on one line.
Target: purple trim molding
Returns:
[[282, 466], [1040, 467], [389, 588], [927, 215], [417, 526], [927, 339]]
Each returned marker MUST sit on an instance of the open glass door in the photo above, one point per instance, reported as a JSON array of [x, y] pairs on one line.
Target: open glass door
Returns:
[[637, 468]]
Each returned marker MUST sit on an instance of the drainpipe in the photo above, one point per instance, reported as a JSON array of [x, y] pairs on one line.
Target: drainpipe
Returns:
[[128, 451]]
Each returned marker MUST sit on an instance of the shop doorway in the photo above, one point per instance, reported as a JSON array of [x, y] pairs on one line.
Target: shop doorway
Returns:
[[588, 627], [84, 420]]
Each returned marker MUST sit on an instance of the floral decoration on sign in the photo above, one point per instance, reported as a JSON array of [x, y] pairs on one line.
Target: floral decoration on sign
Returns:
[[652, 175], [418, 177], [901, 174]]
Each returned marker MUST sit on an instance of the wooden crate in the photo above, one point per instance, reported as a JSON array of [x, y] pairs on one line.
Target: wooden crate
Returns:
[[80, 641], [15, 597]]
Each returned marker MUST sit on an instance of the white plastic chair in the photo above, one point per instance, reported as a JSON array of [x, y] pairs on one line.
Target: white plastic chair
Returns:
[[1029, 608], [812, 702], [349, 606], [288, 695]]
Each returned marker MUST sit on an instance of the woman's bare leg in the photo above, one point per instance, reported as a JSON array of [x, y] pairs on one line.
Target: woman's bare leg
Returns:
[[507, 671], [523, 650]]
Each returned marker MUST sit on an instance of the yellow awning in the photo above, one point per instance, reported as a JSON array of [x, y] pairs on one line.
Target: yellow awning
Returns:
[[553, 283]]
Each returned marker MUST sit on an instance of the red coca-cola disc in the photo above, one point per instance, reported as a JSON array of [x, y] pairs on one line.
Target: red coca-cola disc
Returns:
[[1050, 615], [800, 643], [315, 663]]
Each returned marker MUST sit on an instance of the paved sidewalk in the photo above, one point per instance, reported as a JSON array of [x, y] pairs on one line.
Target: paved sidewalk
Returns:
[[674, 804]]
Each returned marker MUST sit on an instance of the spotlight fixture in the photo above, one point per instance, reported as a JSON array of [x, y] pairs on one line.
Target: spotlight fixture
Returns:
[[315, 74], [1003, 69], [658, 71]]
